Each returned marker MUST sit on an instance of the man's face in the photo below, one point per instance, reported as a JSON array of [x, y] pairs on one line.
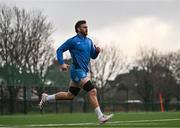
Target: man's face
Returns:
[[83, 29]]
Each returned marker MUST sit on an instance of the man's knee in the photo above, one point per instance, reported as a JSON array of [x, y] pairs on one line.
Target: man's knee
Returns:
[[93, 92], [73, 91], [88, 86], [70, 95]]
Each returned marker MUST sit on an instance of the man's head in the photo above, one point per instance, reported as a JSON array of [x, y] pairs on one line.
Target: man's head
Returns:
[[81, 27]]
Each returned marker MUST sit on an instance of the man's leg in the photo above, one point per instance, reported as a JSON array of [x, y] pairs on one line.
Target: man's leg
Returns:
[[92, 94], [73, 91]]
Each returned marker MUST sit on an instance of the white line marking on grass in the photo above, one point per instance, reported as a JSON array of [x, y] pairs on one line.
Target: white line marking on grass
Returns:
[[6, 126], [54, 125], [133, 124], [86, 124], [113, 122], [134, 121]]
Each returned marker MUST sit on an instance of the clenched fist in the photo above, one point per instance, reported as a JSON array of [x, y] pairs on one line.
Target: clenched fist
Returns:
[[98, 49], [64, 67]]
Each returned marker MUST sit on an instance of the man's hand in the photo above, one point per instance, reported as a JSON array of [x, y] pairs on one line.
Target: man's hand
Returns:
[[55, 62], [98, 49], [64, 67]]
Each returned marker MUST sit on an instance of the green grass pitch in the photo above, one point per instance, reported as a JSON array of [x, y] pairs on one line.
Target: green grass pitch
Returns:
[[88, 120]]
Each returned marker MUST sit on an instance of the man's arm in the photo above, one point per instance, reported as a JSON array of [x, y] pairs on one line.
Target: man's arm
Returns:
[[64, 47], [94, 51]]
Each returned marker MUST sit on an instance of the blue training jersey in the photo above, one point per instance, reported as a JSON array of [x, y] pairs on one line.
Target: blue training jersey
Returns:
[[81, 49]]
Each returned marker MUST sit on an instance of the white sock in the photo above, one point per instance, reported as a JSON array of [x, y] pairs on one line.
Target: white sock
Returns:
[[98, 112], [50, 97]]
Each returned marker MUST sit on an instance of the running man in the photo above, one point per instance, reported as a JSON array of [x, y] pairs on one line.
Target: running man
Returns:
[[82, 50]]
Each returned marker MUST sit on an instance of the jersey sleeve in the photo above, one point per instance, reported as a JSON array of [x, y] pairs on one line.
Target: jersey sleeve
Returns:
[[64, 47], [93, 53]]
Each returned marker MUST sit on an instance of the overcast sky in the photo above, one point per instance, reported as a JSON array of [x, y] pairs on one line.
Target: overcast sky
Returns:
[[129, 23]]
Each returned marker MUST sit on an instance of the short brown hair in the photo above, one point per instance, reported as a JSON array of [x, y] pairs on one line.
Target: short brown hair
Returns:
[[78, 24]]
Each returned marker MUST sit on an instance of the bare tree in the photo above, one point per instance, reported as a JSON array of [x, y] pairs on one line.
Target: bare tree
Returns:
[[175, 69], [24, 45], [25, 39], [110, 62], [156, 78], [175, 64]]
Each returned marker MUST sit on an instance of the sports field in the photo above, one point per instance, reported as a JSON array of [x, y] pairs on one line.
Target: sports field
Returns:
[[87, 120]]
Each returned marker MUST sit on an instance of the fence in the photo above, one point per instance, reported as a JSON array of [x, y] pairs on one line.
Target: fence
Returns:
[[25, 101]]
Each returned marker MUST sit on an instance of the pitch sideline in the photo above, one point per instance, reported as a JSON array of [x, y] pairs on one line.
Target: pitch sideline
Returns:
[[112, 122]]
